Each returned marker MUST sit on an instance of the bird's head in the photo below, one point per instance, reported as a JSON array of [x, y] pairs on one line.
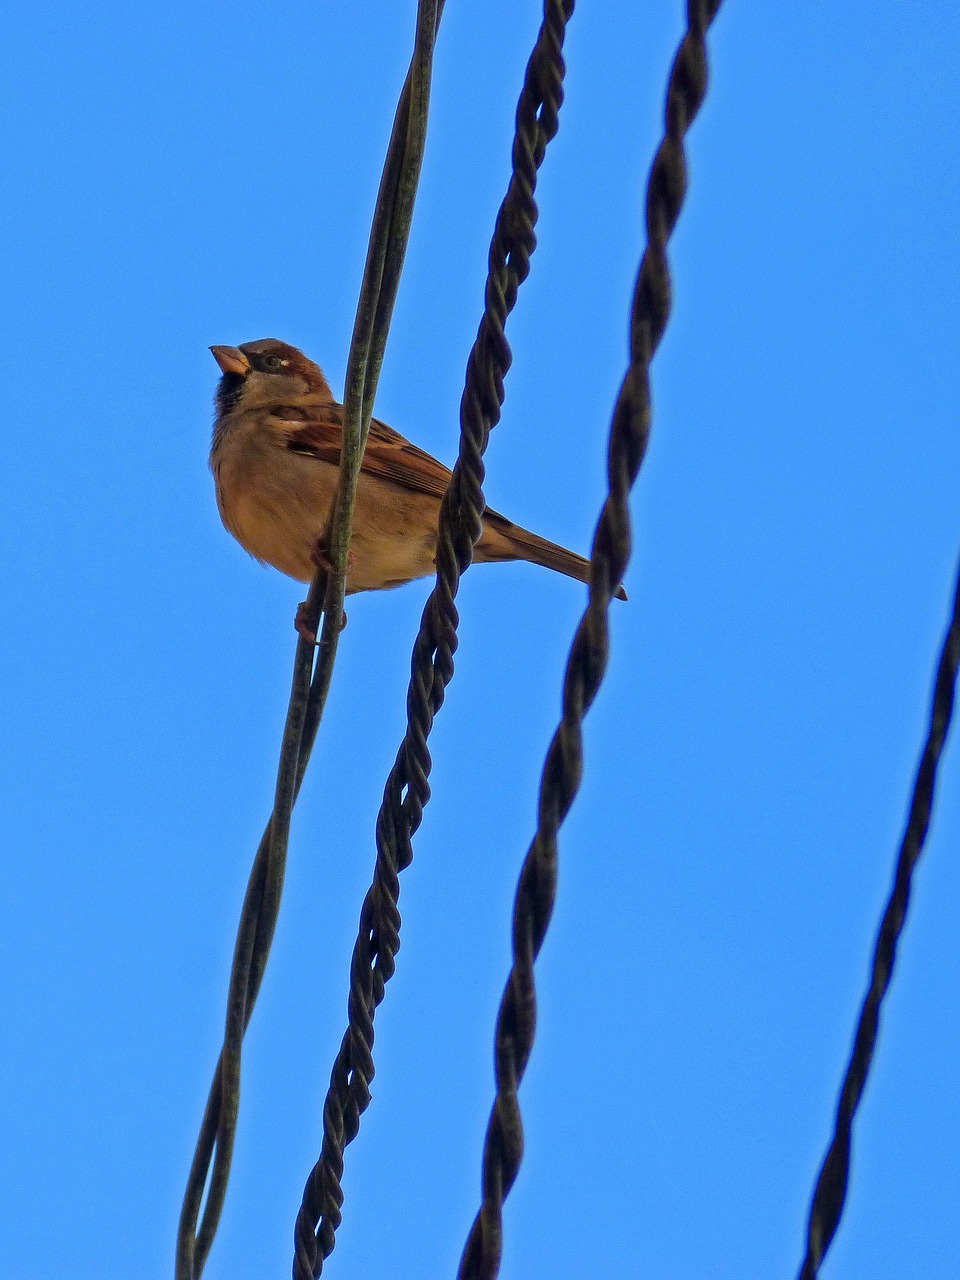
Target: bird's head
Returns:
[[264, 373]]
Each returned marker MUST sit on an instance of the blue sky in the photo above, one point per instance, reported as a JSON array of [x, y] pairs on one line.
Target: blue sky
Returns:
[[178, 177]]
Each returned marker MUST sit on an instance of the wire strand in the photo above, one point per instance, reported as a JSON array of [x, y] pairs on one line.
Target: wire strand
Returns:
[[388, 240], [629, 434], [831, 1187], [407, 788]]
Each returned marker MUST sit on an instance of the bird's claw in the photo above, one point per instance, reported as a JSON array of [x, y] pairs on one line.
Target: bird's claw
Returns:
[[303, 629], [300, 624], [320, 555]]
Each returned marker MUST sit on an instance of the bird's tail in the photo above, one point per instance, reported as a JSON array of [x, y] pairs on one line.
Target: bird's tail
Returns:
[[504, 540]]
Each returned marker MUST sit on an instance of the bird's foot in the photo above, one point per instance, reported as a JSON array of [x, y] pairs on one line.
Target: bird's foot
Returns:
[[320, 555], [300, 624], [304, 631]]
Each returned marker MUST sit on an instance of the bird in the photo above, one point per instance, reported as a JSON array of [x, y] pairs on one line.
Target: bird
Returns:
[[275, 457]]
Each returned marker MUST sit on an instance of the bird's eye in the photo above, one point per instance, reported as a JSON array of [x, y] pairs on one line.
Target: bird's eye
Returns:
[[272, 362]]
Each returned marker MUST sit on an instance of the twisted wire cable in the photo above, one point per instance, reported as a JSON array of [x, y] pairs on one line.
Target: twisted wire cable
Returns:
[[389, 235], [831, 1188], [629, 434], [407, 789]]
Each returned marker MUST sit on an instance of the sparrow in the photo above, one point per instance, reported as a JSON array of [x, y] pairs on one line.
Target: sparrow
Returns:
[[275, 458]]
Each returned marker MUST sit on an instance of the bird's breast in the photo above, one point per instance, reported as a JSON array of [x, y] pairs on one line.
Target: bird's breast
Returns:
[[276, 503], [273, 501]]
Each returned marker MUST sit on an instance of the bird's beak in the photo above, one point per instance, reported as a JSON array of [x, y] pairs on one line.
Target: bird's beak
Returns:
[[231, 359]]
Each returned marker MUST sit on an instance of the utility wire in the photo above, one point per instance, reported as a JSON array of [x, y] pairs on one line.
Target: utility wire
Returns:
[[629, 434], [831, 1189], [388, 241], [407, 789]]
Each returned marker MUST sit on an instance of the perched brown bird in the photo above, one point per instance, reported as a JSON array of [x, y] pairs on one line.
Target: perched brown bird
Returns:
[[275, 457]]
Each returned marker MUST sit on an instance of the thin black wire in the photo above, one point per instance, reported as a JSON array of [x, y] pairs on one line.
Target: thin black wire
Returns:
[[629, 434], [258, 919], [831, 1189], [407, 788]]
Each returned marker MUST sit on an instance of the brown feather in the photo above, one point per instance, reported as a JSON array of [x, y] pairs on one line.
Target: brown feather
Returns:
[[387, 455]]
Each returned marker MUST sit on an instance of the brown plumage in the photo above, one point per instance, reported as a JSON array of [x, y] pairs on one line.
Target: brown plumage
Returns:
[[275, 458]]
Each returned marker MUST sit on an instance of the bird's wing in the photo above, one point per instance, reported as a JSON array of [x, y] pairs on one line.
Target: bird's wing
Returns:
[[317, 430]]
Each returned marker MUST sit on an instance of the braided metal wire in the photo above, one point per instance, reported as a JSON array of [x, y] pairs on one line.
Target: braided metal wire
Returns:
[[831, 1189], [629, 434], [407, 789], [258, 919]]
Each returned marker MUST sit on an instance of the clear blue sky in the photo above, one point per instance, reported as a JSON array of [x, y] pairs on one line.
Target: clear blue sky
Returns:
[[182, 175]]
